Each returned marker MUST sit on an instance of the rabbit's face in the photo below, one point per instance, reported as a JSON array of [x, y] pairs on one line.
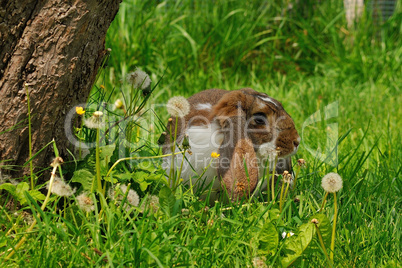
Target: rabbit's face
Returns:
[[271, 128], [268, 125]]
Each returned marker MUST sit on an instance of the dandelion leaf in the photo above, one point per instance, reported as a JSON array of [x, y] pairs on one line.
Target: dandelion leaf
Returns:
[[85, 177], [17, 191], [326, 232], [268, 239], [9, 188], [297, 244], [167, 200], [37, 195]]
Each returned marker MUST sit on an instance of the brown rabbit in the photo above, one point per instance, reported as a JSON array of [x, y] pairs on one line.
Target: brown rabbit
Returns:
[[245, 127]]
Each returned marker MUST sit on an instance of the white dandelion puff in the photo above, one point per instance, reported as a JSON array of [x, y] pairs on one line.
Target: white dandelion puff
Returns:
[[331, 182], [133, 198], [95, 121], [178, 106], [151, 202], [60, 188], [139, 79], [85, 202]]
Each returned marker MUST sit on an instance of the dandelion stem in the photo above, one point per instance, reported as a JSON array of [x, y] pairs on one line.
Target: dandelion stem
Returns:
[[333, 229], [284, 195], [323, 201], [98, 175], [280, 198], [171, 171], [181, 168], [273, 179], [322, 244], [267, 176], [136, 158], [174, 149]]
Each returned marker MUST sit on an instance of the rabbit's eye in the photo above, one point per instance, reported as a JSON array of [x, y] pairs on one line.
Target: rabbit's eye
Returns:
[[260, 118]]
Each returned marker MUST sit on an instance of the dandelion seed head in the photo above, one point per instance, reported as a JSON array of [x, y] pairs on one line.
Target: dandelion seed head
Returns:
[[132, 196], [57, 161], [98, 114], [185, 212], [301, 162], [95, 121], [331, 182], [287, 177], [178, 106], [60, 188], [150, 202], [85, 202], [139, 79]]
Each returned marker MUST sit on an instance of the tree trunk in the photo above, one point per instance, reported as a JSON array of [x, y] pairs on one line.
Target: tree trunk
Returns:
[[56, 47]]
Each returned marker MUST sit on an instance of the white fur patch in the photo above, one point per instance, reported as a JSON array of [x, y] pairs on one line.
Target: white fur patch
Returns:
[[267, 99], [203, 141], [203, 106], [261, 105]]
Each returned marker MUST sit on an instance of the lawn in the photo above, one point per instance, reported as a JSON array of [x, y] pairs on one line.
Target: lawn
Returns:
[[342, 87]]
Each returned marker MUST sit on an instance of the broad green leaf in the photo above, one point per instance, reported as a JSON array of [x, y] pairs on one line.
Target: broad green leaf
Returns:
[[326, 231], [106, 151], [9, 188], [268, 239], [19, 192], [123, 177], [37, 195], [141, 178], [85, 177], [297, 244], [147, 165], [166, 200]]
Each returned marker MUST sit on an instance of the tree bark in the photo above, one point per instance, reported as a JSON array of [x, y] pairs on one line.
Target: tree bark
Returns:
[[56, 47]]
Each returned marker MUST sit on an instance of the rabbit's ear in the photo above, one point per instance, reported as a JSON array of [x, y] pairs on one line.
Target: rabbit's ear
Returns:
[[238, 164]]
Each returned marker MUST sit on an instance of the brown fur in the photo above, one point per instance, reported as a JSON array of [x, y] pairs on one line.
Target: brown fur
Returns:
[[235, 112]]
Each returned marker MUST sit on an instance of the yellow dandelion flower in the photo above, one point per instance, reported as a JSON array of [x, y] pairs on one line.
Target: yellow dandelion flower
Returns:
[[215, 155], [79, 110], [102, 86]]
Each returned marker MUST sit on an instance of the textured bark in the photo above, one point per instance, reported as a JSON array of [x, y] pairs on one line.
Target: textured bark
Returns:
[[56, 47]]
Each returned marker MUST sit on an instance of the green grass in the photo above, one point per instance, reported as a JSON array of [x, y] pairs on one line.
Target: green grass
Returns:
[[307, 59]]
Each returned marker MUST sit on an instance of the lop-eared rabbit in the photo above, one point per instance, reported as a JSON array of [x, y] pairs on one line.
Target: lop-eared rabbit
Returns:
[[245, 127]]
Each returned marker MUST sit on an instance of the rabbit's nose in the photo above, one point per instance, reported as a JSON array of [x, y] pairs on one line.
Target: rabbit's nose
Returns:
[[296, 142]]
